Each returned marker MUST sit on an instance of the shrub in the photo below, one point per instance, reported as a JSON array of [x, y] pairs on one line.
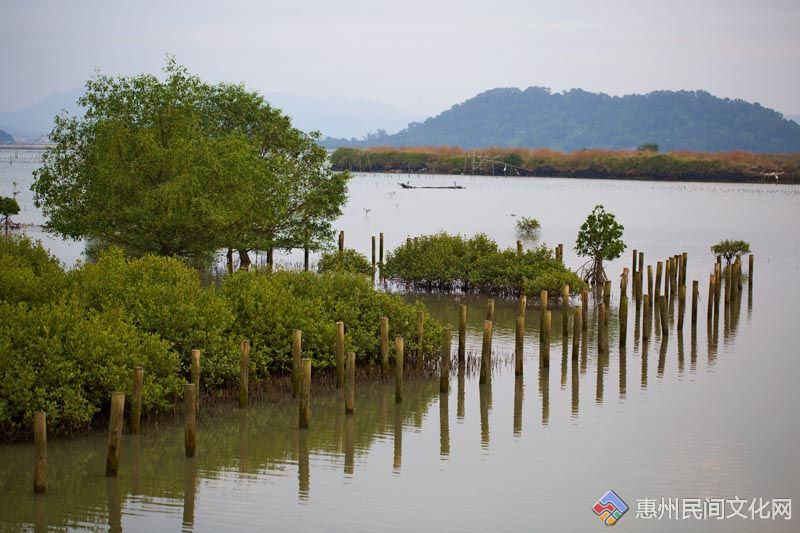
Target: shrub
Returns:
[[553, 281], [348, 260], [164, 297], [730, 249], [528, 227], [64, 361], [28, 272], [447, 262], [268, 307]]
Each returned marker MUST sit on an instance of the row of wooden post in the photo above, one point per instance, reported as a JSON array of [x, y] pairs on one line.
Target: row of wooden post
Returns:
[[674, 276]]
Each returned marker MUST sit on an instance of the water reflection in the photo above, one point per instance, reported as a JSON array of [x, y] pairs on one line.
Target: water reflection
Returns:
[[485, 398], [544, 393], [519, 392], [444, 425], [189, 492], [303, 466]]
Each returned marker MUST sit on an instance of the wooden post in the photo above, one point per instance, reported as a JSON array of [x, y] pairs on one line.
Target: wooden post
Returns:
[[115, 433], [305, 258], [40, 459], [711, 292], [664, 316], [398, 369], [635, 257], [297, 354], [544, 358], [244, 372], [565, 311], [339, 347], [486, 352], [623, 283], [462, 335], [373, 253], [584, 308], [190, 423], [305, 392], [607, 293], [196, 375], [650, 283], [350, 382], [681, 305], [519, 247], [543, 301], [341, 241], [519, 345], [576, 335], [522, 305], [684, 262], [136, 400], [380, 249], [751, 260], [623, 320], [385, 345], [490, 309], [444, 377], [659, 271], [695, 296]]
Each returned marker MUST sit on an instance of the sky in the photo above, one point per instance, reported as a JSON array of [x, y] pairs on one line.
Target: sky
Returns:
[[421, 56]]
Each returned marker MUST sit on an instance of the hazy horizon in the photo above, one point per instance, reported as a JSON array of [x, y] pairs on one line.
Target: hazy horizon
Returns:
[[420, 57]]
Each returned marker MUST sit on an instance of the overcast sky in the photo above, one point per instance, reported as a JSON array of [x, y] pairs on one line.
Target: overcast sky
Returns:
[[420, 55]]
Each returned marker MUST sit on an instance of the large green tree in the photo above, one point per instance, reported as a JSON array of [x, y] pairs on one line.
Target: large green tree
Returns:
[[181, 167]]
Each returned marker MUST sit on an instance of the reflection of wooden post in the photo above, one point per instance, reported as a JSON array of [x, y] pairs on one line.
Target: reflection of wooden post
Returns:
[[136, 405], [462, 334], [190, 427], [297, 354], [623, 320], [519, 345], [486, 352], [601, 321], [40, 460], [398, 369], [385, 345], [305, 392], [565, 311], [444, 378], [244, 371], [490, 309], [544, 358], [350, 383], [115, 433], [577, 327], [196, 375], [584, 308], [339, 354]]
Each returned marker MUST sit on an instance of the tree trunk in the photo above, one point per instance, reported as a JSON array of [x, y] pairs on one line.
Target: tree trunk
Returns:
[[244, 260], [230, 260], [269, 259]]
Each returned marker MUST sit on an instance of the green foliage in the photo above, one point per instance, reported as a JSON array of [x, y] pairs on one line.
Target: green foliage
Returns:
[[28, 272], [600, 236], [348, 260], [730, 248], [164, 297], [65, 361], [553, 281], [8, 206], [269, 307], [528, 226], [447, 262], [184, 168], [648, 147]]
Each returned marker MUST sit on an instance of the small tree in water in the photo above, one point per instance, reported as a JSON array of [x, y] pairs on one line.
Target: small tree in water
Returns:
[[730, 249], [599, 238], [8, 207]]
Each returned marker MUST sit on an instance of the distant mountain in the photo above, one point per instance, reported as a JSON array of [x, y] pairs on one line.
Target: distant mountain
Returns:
[[6, 138], [341, 117], [576, 119], [796, 118], [336, 117], [35, 122]]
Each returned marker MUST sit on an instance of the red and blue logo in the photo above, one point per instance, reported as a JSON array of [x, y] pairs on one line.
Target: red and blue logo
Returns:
[[610, 508]]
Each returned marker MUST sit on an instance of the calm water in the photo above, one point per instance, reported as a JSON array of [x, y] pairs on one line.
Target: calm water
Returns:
[[709, 415]]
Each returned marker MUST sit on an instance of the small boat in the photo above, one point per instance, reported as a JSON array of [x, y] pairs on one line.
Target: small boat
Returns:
[[409, 186]]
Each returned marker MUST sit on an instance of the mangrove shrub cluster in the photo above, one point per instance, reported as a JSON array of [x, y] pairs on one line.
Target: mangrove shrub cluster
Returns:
[[477, 264], [68, 338]]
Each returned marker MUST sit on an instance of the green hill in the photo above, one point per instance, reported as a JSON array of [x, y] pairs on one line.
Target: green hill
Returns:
[[577, 119]]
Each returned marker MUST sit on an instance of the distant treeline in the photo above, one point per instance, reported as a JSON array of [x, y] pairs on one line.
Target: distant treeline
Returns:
[[617, 164]]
